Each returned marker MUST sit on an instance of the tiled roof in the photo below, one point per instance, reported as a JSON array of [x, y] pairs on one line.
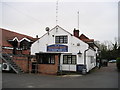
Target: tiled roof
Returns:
[[10, 35], [85, 39], [88, 40]]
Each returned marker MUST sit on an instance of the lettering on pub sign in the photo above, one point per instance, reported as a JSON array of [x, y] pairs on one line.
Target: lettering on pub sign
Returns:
[[57, 48]]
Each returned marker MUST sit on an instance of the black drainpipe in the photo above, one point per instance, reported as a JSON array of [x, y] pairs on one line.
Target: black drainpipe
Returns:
[[85, 56]]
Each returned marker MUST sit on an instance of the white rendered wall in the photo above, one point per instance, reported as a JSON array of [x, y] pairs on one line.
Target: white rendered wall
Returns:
[[41, 44], [49, 39], [46, 40], [75, 49], [88, 60]]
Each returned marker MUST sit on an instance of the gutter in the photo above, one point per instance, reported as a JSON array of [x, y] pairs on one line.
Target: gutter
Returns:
[[85, 56]]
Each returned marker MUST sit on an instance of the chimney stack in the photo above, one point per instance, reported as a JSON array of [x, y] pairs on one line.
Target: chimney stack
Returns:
[[76, 33]]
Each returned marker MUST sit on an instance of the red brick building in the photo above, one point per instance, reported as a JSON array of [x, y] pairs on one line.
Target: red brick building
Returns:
[[16, 43], [16, 50]]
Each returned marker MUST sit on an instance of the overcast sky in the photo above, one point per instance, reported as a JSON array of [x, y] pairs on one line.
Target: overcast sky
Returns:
[[98, 19]]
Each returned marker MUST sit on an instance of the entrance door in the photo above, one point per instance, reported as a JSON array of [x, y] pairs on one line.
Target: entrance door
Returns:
[[59, 65], [34, 67]]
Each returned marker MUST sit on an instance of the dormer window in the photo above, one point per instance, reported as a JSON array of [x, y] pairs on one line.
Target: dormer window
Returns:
[[24, 47], [61, 39], [24, 44], [14, 43]]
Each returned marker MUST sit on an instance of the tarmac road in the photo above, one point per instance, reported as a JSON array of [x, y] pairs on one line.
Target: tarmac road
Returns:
[[105, 77]]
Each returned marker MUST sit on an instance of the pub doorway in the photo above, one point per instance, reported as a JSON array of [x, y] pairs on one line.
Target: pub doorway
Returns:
[[34, 67]]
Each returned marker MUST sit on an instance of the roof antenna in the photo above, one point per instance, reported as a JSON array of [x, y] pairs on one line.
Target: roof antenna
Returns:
[[56, 16], [78, 19], [57, 13]]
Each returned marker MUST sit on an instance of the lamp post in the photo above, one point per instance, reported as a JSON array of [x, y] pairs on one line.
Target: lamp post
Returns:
[[100, 62], [99, 53]]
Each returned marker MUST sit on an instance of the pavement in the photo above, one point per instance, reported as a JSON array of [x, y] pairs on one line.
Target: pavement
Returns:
[[105, 77]]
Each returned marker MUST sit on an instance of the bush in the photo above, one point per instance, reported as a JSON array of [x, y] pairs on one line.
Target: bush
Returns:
[[118, 63]]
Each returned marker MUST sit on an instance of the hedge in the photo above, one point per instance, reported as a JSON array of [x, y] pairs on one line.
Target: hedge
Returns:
[[118, 63]]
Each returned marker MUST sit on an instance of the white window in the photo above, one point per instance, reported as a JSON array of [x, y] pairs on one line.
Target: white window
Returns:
[[61, 39], [92, 59], [69, 59]]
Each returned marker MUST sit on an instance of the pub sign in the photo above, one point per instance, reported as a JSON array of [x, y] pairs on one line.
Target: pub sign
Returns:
[[57, 48]]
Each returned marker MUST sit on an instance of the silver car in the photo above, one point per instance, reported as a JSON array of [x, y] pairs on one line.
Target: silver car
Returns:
[[112, 61]]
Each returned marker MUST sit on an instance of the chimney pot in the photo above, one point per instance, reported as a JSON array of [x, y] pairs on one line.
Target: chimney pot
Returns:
[[36, 36], [76, 33]]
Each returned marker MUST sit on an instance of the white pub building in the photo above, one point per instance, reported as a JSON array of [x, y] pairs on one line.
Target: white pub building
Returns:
[[59, 50]]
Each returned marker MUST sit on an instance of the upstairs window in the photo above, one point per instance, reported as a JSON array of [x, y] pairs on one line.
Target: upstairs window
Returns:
[[61, 39], [24, 45]]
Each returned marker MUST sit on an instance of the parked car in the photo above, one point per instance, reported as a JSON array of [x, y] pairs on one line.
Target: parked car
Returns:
[[112, 61]]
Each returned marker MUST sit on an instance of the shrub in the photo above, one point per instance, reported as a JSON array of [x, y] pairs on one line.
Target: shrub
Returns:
[[118, 63]]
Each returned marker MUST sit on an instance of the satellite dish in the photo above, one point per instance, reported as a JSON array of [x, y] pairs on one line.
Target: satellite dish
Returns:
[[78, 44], [47, 29]]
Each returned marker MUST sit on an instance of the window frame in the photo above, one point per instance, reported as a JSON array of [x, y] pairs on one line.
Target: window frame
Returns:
[[92, 60], [69, 59], [25, 45], [42, 59], [61, 39]]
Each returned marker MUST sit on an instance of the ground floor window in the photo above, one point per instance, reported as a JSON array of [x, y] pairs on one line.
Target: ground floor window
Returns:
[[69, 59], [46, 59]]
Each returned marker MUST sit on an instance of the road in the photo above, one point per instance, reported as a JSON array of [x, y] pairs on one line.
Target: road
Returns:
[[106, 77]]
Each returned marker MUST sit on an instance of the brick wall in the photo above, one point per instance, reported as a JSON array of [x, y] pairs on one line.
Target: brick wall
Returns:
[[49, 68], [26, 66], [26, 52], [23, 52], [20, 59], [9, 51], [22, 62]]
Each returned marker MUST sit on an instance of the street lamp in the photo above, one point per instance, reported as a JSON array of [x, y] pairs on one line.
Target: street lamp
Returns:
[[79, 53], [99, 53]]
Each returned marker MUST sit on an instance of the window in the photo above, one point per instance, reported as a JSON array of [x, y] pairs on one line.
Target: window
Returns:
[[92, 59], [61, 39], [52, 59], [46, 59], [25, 45], [69, 59], [74, 59]]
